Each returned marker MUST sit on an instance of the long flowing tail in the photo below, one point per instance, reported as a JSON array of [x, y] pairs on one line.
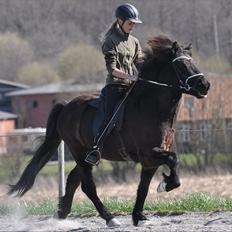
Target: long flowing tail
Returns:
[[41, 156]]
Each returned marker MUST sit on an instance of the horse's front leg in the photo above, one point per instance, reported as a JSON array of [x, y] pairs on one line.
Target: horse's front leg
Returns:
[[89, 188], [145, 180], [172, 181]]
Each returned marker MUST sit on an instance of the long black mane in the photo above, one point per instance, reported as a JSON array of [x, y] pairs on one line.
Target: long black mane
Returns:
[[156, 53]]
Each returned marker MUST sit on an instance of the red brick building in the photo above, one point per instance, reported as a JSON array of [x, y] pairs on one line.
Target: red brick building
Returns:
[[7, 124], [33, 105], [207, 121]]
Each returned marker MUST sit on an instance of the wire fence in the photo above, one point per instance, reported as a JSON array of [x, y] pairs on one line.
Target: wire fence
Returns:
[[198, 149]]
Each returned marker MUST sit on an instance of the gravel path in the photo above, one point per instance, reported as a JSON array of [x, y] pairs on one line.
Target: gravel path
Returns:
[[197, 222]]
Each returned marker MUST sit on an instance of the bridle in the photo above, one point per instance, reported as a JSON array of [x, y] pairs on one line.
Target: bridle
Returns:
[[183, 85]]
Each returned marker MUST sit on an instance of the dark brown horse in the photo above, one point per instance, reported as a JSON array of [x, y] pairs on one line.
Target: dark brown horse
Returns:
[[146, 132]]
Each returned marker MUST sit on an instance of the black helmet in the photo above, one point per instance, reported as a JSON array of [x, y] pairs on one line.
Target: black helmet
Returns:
[[128, 12]]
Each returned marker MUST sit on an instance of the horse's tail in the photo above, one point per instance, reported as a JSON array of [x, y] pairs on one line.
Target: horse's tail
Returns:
[[41, 156]]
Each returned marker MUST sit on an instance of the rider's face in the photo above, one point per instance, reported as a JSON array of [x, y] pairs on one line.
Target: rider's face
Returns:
[[127, 26]]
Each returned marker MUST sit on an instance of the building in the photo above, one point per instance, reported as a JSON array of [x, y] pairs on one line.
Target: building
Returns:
[[7, 123], [207, 121], [33, 105], [5, 88], [7, 118]]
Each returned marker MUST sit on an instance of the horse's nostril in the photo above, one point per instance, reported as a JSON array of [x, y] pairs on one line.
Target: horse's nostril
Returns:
[[200, 85]]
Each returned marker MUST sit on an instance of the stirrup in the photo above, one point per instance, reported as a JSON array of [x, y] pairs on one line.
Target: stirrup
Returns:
[[93, 157]]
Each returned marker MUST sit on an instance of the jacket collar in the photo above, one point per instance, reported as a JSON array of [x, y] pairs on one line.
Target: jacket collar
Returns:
[[121, 33]]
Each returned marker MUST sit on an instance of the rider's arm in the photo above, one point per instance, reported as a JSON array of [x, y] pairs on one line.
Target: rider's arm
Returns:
[[110, 55], [122, 75]]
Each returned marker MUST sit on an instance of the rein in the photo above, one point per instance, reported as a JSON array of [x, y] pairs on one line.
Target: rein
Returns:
[[184, 85]]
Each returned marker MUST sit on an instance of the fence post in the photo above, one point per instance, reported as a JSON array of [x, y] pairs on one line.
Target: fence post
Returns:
[[61, 170]]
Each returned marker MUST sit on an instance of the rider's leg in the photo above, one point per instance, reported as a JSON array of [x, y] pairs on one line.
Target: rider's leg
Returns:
[[111, 95]]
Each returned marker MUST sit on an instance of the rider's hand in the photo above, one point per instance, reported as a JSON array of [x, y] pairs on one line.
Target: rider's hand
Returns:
[[133, 78]]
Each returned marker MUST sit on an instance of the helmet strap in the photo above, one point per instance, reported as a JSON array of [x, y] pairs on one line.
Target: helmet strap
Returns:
[[123, 21]]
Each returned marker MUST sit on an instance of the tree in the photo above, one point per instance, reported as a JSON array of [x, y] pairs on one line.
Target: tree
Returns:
[[15, 52], [81, 62], [37, 73]]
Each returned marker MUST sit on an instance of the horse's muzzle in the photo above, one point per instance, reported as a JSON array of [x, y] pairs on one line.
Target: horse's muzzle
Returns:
[[202, 87]]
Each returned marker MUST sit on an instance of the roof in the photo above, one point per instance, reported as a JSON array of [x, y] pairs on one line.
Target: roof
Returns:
[[61, 87], [15, 84], [29, 130], [5, 115]]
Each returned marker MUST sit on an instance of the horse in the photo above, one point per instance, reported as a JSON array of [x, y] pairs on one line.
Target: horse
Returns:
[[147, 129]]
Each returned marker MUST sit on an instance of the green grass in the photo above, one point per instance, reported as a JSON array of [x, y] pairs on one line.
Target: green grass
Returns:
[[193, 203], [190, 160]]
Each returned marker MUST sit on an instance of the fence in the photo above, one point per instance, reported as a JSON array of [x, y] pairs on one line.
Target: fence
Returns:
[[25, 142], [198, 149]]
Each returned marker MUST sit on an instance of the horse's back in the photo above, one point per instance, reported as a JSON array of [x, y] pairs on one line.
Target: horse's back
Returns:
[[77, 117]]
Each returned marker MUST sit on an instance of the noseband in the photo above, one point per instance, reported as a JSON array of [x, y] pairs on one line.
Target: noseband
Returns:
[[183, 85]]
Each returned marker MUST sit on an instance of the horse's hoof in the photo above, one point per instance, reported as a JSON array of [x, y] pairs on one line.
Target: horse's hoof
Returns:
[[60, 215], [162, 187], [113, 223], [139, 219], [143, 222], [56, 216]]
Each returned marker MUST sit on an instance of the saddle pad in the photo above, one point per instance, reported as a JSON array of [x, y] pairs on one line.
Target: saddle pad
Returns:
[[99, 116]]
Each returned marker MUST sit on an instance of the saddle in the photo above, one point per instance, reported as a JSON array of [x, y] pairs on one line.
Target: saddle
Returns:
[[98, 104]]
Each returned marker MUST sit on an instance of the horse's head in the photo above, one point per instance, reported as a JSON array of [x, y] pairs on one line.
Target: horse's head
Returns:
[[190, 79], [176, 67]]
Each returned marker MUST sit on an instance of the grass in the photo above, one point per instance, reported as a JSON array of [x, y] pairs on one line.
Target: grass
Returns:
[[8, 164], [192, 160], [193, 203]]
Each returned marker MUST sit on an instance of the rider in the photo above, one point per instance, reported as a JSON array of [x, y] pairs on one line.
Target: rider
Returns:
[[123, 56]]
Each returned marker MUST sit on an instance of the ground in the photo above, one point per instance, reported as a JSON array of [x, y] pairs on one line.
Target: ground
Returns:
[[216, 185], [188, 222]]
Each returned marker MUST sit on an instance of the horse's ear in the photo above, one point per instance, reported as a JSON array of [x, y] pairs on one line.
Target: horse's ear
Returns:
[[175, 47], [188, 47]]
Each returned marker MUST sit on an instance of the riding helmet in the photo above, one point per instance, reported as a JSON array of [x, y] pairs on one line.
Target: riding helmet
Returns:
[[128, 12]]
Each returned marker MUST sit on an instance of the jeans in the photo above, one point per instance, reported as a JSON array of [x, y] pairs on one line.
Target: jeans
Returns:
[[112, 94]]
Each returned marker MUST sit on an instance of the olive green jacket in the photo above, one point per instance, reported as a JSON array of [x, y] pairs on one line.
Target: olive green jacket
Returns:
[[122, 51]]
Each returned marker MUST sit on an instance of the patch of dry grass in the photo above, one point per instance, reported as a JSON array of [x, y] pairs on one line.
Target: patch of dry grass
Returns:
[[215, 185]]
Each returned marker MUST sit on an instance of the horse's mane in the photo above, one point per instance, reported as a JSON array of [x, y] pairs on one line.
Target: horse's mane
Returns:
[[155, 53], [156, 47]]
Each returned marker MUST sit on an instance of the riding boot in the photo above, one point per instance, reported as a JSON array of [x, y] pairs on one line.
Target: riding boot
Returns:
[[111, 95]]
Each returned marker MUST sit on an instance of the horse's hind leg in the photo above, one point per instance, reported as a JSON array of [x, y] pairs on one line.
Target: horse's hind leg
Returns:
[[89, 188], [65, 202]]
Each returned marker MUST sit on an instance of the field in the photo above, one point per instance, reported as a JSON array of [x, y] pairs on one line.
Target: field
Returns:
[[211, 194]]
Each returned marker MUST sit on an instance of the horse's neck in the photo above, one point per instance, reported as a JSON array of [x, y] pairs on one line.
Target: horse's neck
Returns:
[[158, 102]]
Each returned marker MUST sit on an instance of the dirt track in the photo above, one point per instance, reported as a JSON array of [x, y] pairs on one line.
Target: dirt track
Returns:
[[189, 222], [198, 222]]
